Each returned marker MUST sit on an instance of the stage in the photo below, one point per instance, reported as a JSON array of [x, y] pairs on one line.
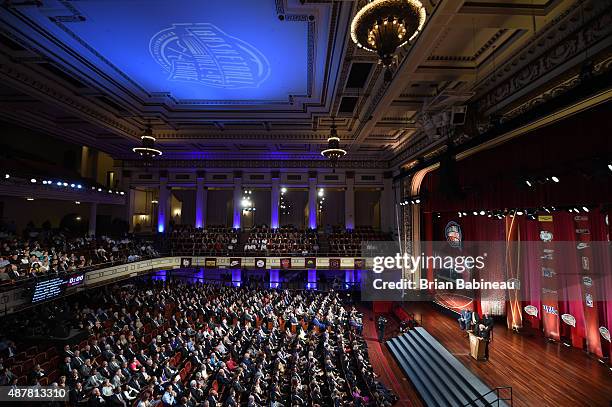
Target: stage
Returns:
[[540, 373]]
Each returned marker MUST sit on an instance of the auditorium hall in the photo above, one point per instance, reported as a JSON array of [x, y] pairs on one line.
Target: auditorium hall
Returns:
[[306, 203]]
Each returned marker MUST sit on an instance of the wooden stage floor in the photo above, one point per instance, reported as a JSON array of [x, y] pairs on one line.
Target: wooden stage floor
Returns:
[[540, 373]]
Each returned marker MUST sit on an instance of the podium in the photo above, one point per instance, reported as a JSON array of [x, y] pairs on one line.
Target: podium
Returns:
[[477, 347]]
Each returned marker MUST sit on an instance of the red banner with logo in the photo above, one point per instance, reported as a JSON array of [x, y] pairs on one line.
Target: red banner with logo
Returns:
[[550, 285], [588, 283]]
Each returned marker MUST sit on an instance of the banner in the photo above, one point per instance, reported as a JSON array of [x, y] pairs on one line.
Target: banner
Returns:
[[360, 264], [310, 262], [210, 262], [589, 289], [235, 262], [260, 263], [285, 263], [550, 296], [186, 262], [334, 263]]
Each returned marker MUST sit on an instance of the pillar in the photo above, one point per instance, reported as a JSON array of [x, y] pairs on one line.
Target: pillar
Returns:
[[93, 213], [312, 280], [236, 277], [274, 278], [237, 199], [84, 161], [275, 199], [163, 214], [201, 201], [349, 201], [387, 210], [312, 199]]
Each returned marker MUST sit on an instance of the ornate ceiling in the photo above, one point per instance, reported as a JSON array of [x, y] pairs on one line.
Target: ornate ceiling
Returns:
[[251, 80]]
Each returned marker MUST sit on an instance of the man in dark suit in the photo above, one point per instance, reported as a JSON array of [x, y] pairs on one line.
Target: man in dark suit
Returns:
[[77, 395], [485, 330], [381, 323]]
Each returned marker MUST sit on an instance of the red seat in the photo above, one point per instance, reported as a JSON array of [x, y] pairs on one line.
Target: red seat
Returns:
[[41, 358]]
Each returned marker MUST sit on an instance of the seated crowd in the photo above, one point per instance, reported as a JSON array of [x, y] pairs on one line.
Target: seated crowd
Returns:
[[51, 252], [286, 240], [348, 242], [207, 345], [211, 240]]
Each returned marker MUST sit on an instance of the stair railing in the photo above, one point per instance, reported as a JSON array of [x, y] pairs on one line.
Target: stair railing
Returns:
[[497, 391]]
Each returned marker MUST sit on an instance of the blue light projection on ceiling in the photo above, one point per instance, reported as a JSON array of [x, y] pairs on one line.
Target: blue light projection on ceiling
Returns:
[[202, 53], [193, 50]]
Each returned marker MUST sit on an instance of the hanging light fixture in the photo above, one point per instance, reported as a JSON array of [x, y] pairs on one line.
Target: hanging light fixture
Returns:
[[382, 26], [333, 152], [147, 150]]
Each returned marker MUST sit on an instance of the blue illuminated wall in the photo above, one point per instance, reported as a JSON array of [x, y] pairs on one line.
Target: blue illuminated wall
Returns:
[[193, 50]]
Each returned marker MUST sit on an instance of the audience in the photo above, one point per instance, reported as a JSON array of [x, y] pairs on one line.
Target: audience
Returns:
[[348, 242], [50, 253], [212, 240], [179, 344]]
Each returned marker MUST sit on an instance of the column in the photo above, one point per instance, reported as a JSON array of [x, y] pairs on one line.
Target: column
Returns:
[[84, 161], [237, 199], [275, 199], [236, 277], [162, 206], [312, 199], [349, 201], [201, 201], [311, 284], [93, 213], [387, 211]]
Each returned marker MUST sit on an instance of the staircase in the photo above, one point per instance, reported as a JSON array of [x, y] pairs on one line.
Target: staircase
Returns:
[[440, 379]]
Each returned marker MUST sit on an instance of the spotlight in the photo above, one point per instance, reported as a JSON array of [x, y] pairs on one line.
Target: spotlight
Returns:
[[79, 186], [482, 212], [94, 188], [110, 191], [59, 183], [121, 193], [519, 213], [44, 182], [610, 167], [528, 183], [417, 200], [78, 218], [65, 184], [547, 210], [576, 210], [99, 189], [464, 213], [555, 179], [584, 208], [246, 203], [7, 176], [283, 190], [29, 199], [475, 213], [321, 192], [154, 201], [72, 186], [77, 202], [33, 180]]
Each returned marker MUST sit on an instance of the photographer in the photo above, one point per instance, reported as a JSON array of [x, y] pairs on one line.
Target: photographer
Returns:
[[381, 324]]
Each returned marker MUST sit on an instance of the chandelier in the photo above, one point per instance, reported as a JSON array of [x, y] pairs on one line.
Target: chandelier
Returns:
[[333, 152], [147, 149], [382, 26]]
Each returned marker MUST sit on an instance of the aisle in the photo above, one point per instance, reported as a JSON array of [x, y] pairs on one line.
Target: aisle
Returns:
[[385, 366]]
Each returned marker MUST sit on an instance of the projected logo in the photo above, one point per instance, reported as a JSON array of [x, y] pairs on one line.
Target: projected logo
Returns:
[[204, 54]]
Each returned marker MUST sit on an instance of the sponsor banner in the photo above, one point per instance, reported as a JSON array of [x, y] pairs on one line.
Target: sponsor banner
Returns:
[[186, 262], [260, 263], [310, 262], [347, 263], [248, 262], [210, 262], [285, 263], [298, 262], [235, 262], [334, 263], [569, 319], [274, 262], [322, 262], [359, 264], [223, 262], [545, 218], [585, 260], [604, 333], [549, 280]]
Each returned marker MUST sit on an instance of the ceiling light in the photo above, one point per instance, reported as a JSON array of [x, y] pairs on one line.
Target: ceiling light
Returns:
[[528, 183], [482, 212], [283, 190], [519, 213], [72, 186], [333, 152], [147, 150], [321, 192], [610, 167], [382, 26], [65, 184], [77, 202], [59, 183], [79, 186], [7, 176]]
